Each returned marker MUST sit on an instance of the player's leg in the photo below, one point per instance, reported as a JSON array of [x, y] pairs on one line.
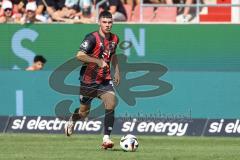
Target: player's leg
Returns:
[[79, 113], [86, 96], [109, 101]]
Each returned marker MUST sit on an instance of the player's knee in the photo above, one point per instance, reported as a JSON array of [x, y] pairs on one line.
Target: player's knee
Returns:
[[110, 105]]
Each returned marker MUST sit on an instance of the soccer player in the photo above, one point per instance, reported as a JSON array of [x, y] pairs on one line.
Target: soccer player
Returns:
[[97, 51], [38, 63]]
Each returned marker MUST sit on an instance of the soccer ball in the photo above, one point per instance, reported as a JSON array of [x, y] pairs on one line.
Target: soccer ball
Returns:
[[129, 143]]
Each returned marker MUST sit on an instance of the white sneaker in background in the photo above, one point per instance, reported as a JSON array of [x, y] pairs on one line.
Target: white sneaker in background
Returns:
[[183, 18], [204, 11]]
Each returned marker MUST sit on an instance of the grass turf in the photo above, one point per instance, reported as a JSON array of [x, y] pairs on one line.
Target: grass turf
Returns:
[[86, 147]]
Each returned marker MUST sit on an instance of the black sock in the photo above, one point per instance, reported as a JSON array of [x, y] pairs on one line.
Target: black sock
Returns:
[[108, 121], [76, 116]]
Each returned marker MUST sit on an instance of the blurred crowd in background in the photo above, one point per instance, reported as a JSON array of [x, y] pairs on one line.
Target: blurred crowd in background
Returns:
[[82, 11]]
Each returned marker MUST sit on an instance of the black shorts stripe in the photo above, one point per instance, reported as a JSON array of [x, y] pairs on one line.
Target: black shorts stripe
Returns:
[[104, 73], [94, 73], [82, 72]]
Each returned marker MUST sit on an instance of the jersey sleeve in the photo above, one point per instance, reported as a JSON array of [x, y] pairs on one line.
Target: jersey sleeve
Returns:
[[117, 41], [88, 44]]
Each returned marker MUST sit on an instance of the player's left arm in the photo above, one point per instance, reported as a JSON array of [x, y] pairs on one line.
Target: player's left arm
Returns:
[[115, 65]]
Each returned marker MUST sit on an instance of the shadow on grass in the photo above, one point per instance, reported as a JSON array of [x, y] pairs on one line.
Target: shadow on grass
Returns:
[[112, 150]]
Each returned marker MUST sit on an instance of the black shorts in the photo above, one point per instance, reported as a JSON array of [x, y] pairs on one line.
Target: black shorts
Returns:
[[90, 91]]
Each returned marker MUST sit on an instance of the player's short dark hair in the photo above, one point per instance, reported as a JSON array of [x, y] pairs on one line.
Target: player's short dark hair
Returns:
[[39, 58], [105, 14]]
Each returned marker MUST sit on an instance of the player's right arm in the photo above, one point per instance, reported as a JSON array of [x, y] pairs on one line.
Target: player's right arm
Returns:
[[86, 48], [87, 59]]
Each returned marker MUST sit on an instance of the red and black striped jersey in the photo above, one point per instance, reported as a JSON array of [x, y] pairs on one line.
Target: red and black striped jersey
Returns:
[[96, 46]]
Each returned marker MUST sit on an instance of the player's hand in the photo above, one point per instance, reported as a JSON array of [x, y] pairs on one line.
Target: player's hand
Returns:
[[116, 78], [101, 63]]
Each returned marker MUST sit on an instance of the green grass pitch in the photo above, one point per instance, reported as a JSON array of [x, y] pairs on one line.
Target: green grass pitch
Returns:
[[86, 147]]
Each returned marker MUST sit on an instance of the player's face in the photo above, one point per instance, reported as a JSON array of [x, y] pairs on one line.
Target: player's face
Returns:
[[106, 24], [38, 65]]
